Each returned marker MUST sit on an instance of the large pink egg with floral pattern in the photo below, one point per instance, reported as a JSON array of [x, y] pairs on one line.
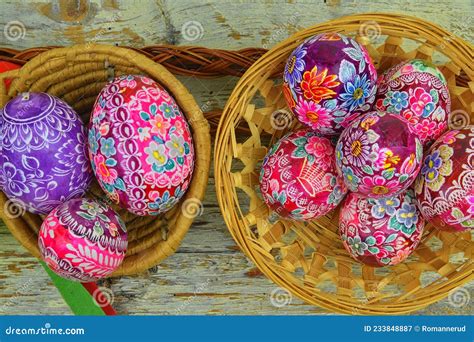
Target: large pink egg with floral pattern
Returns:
[[83, 240], [378, 155], [417, 91], [445, 185], [140, 145], [298, 179], [328, 80], [380, 232]]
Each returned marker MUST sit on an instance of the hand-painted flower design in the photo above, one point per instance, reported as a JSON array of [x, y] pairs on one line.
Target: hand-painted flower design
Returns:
[[437, 166], [312, 114], [357, 148], [408, 217], [385, 159], [104, 173], [295, 66], [318, 86], [384, 206], [176, 146], [399, 100], [352, 181], [356, 92], [169, 111], [143, 133], [378, 186], [159, 125], [107, 147], [421, 103], [156, 154], [356, 245], [93, 142], [15, 180], [93, 208], [424, 129], [319, 147]]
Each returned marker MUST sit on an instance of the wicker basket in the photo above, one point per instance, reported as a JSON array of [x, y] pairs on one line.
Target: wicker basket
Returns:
[[77, 74], [309, 259]]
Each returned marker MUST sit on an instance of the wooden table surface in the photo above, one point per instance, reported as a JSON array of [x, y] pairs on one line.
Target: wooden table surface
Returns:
[[208, 274]]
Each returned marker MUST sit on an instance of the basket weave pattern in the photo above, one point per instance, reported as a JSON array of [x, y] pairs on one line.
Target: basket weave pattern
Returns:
[[77, 74], [309, 259]]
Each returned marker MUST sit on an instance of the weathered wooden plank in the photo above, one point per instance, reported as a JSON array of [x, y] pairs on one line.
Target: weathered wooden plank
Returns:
[[216, 24]]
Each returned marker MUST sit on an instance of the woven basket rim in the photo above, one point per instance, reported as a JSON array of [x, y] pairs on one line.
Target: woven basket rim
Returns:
[[91, 57], [225, 151]]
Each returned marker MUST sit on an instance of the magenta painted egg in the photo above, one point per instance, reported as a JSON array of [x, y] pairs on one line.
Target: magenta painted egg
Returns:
[[43, 153], [328, 80], [298, 179], [83, 240], [140, 145], [378, 155], [445, 185], [383, 231], [416, 90]]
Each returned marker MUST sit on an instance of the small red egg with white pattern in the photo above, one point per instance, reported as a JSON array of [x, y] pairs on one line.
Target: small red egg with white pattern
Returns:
[[298, 179]]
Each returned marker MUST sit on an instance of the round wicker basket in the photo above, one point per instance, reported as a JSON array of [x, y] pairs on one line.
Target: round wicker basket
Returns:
[[77, 74], [309, 259]]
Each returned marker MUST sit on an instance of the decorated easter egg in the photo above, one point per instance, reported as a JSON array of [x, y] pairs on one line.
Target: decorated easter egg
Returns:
[[378, 155], [298, 179], [416, 90], [43, 160], [140, 145], [7, 66], [328, 80], [380, 231], [83, 240], [445, 185]]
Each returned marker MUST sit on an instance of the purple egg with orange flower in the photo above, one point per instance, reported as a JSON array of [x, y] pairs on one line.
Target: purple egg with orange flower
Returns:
[[328, 80]]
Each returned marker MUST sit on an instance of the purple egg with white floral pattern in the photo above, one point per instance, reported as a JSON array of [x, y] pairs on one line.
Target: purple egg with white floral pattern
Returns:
[[417, 91], [328, 80], [445, 185], [140, 145], [378, 155], [380, 232], [43, 160]]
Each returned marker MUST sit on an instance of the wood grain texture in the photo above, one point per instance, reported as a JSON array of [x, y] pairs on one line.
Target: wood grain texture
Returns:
[[208, 274]]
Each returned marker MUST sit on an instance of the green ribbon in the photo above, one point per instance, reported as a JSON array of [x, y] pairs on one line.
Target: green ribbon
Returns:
[[75, 295]]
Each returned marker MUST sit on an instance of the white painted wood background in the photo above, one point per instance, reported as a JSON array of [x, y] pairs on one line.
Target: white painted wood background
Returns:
[[208, 274]]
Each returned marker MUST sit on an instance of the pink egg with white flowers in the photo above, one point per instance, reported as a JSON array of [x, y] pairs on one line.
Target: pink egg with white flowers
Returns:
[[380, 232], [83, 240], [416, 90], [298, 179], [140, 145]]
